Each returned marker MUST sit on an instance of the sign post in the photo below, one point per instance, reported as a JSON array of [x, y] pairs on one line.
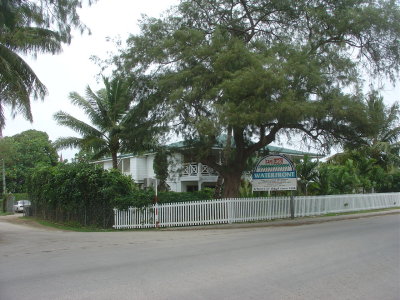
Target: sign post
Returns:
[[156, 205], [292, 205], [275, 173]]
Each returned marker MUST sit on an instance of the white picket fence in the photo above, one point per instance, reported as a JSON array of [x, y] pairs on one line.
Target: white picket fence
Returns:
[[247, 209]]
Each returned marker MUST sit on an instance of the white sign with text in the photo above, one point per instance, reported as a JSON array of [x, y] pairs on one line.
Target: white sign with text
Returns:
[[274, 173]]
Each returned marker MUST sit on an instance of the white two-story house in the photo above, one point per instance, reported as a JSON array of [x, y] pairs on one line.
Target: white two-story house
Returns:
[[184, 175]]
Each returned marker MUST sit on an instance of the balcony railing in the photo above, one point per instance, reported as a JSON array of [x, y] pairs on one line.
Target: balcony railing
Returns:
[[197, 169]]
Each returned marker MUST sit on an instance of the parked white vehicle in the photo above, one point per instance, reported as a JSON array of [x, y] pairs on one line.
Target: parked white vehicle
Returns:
[[20, 205]]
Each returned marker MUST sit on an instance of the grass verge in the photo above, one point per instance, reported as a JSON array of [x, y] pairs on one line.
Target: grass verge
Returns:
[[78, 227], [5, 213], [67, 227], [359, 212]]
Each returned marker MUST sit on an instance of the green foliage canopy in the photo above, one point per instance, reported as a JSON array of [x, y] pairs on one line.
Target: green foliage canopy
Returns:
[[22, 153], [259, 70], [354, 172]]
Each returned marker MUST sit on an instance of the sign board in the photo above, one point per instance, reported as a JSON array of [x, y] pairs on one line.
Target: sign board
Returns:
[[274, 173]]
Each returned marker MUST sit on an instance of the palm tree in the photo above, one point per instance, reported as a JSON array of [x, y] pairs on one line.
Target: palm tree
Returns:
[[119, 124], [344, 178], [307, 172], [322, 179], [26, 27], [382, 143], [381, 140]]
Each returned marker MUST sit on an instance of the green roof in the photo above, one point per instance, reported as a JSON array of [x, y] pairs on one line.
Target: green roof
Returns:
[[283, 150], [270, 148]]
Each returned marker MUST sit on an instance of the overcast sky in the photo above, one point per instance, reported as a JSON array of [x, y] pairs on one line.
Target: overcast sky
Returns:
[[72, 70]]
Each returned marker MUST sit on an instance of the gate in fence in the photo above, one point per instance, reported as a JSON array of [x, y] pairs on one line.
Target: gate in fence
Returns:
[[247, 209]]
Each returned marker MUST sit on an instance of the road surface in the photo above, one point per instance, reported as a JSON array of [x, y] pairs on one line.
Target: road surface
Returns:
[[350, 259]]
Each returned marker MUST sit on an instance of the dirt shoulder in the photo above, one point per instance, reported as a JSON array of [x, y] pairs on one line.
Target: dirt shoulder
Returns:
[[19, 220], [289, 222]]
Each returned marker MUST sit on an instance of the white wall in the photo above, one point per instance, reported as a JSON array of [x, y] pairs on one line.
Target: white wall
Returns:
[[149, 166], [139, 170], [107, 165], [133, 170]]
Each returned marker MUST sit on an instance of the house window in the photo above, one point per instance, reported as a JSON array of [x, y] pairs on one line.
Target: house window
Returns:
[[192, 188], [120, 165], [126, 165]]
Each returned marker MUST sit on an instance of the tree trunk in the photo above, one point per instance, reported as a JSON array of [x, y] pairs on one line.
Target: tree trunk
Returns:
[[219, 187], [231, 184], [114, 160]]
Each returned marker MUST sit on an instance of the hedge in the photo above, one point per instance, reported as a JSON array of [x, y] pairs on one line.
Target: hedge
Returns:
[[77, 193], [141, 198]]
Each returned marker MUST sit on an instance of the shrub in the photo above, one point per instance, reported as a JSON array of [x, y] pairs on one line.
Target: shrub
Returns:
[[388, 183], [138, 198]]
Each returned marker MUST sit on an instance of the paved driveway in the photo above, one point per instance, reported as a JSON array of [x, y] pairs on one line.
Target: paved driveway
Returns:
[[350, 259]]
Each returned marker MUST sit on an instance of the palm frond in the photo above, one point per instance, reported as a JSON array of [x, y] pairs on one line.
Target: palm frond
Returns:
[[88, 107], [391, 135], [78, 126], [2, 119], [101, 154], [98, 102], [18, 82], [32, 40], [95, 144], [67, 142]]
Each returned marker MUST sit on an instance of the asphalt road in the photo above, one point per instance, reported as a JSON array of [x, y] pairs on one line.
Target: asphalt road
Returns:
[[350, 259]]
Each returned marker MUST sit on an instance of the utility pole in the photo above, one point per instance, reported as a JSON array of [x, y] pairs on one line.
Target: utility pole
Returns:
[[4, 186]]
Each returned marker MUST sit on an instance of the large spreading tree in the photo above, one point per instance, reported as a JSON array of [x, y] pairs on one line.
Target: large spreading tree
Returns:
[[31, 27], [254, 71]]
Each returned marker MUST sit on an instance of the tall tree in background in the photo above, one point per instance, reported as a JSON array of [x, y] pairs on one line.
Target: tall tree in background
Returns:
[[258, 70], [31, 27], [120, 121], [22, 153], [382, 143], [160, 166]]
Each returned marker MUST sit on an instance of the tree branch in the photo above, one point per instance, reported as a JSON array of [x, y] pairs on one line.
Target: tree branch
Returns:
[[264, 139]]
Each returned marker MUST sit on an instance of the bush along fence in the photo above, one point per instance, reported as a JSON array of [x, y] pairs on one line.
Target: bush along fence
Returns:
[[246, 209], [77, 194]]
